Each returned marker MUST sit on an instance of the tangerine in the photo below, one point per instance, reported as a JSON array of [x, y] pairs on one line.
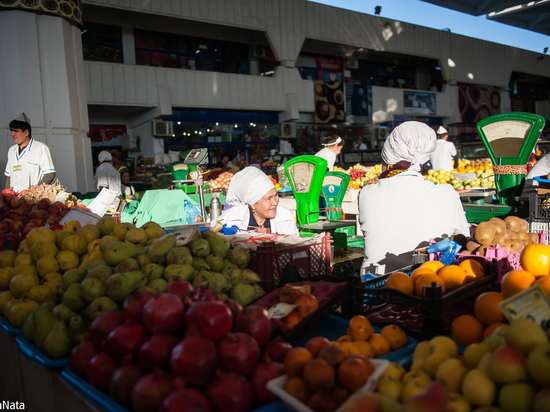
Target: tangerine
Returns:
[[333, 354], [491, 328], [434, 265], [466, 330], [364, 348], [380, 344], [473, 269], [401, 282], [297, 387], [349, 348], [535, 259], [395, 335], [486, 308], [344, 338], [295, 360], [453, 276], [360, 328], [315, 344], [544, 283], [427, 280], [354, 372], [516, 281], [318, 374], [419, 272]]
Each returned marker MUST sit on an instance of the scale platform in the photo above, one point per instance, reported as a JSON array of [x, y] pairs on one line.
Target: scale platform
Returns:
[[328, 226]]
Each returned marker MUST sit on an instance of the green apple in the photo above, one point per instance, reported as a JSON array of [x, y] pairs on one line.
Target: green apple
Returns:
[[538, 364], [516, 397], [478, 389]]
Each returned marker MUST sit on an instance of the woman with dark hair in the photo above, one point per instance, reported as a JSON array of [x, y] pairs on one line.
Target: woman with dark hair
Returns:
[[332, 147]]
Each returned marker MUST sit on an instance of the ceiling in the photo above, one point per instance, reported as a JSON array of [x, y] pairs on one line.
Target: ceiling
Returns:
[[533, 16]]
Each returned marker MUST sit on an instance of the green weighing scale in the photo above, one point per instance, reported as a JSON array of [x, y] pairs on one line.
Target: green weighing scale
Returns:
[[509, 139], [180, 172], [308, 177]]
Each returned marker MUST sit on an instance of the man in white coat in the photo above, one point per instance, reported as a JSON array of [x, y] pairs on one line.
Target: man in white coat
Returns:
[[252, 200], [404, 210], [106, 176], [442, 157]]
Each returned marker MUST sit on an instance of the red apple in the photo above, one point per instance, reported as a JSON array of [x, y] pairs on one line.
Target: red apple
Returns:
[[433, 398], [307, 304], [41, 213], [54, 210], [55, 227], [32, 214], [44, 204], [5, 226], [39, 222], [64, 212], [16, 226], [507, 365], [26, 205], [53, 219], [24, 219]]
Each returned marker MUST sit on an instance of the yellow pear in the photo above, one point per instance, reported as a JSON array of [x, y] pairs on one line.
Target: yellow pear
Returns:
[[89, 232], [5, 278], [7, 257], [47, 264]]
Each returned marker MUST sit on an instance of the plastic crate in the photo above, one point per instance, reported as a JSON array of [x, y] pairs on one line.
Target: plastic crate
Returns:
[[32, 353], [6, 327], [539, 206], [270, 259]]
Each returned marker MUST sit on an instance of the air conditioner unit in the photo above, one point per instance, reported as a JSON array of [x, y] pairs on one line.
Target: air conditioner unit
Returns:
[[380, 133], [258, 52], [287, 130], [352, 63], [161, 128]]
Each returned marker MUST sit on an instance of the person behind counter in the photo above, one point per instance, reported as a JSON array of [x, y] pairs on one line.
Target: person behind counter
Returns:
[[29, 161], [403, 210], [252, 200], [442, 156], [125, 188], [116, 159], [106, 176], [332, 147], [224, 161]]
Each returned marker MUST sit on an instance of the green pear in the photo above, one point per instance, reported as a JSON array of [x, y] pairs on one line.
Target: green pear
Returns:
[[73, 276], [232, 273], [19, 312], [49, 305], [180, 255], [142, 259], [240, 256], [153, 229], [116, 252], [92, 289], [43, 321], [57, 293], [62, 312], [28, 329], [200, 248], [153, 271], [159, 250], [58, 344], [106, 241], [121, 229], [259, 292], [101, 273], [218, 243], [73, 298], [202, 279], [243, 293], [138, 278], [99, 306], [218, 283], [199, 263], [136, 237], [178, 272], [158, 285], [86, 266], [77, 325], [106, 224], [119, 286], [215, 261], [250, 276], [127, 265]]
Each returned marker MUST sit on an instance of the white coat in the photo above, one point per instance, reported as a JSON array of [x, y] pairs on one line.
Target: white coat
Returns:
[[239, 215], [442, 156], [107, 176], [329, 156], [25, 169], [403, 212], [541, 168]]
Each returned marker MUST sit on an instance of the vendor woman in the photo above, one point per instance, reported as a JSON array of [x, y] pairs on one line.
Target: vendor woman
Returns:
[[252, 200], [332, 147], [403, 210]]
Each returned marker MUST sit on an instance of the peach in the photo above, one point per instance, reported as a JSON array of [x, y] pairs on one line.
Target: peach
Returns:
[[307, 304], [507, 365]]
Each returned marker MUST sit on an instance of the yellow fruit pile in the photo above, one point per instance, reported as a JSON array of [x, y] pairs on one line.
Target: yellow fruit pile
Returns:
[[484, 175]]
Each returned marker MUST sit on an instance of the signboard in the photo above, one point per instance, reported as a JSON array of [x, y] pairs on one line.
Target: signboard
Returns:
[[419, 103], [70, 10], [329, 101], [532, 303]]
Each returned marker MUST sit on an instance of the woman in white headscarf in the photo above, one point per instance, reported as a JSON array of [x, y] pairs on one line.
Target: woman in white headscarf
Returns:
[[252, 200], [332, 146], [403, 210]]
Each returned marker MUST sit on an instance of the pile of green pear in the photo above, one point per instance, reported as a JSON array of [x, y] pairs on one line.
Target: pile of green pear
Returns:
[[60, 281]]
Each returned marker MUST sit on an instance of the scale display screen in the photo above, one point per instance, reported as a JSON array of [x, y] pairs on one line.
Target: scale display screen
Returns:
[[507, 136], [197, 157], [301, 175]]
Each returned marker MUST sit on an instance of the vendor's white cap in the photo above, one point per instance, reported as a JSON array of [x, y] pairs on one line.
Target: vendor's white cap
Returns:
[[442, 130], [23, 118], [104, 156]]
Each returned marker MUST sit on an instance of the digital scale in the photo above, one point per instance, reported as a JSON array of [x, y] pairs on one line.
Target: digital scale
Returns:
[[195, 159], [509, 139]]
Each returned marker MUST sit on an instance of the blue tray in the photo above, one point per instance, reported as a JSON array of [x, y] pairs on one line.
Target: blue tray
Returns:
[[10, 330], [541, 179], [32, 353], [333, 327]]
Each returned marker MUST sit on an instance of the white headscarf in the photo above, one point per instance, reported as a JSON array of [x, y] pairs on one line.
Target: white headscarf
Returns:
[[412, 142], [248, 186], [104, 156]]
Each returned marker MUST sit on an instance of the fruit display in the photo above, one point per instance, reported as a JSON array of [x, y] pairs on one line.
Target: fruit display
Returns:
[[306, 304], [483, 169], [221, 181], [508, 371], [361, 175], [269, 163]]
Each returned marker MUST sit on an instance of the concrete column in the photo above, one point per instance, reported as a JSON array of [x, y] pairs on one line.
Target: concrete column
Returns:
[[42, 74]]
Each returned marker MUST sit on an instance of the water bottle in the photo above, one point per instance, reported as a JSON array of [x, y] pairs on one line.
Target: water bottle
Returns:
[[215, 209]]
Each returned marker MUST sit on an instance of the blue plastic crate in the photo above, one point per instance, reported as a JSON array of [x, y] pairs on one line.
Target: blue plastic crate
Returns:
[[10, 330], [333, 327], [32, 353]]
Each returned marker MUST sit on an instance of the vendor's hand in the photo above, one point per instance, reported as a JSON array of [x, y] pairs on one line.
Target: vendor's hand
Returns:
[[347, 190], [461, 191]]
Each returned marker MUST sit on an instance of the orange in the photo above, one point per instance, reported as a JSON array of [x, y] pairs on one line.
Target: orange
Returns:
[[360, 328], [297, 387], [401, 282], [427, 280], [365, 348], [419, 272], [466, 330], [344, 338], [353, 373], [295, 360], [349, 348], [545, 283], [486, 308], [535, 258], [516, 281], [491, 328], [395, 335], [315, 344], [318, 374], [453, 276], [434, 265], [380, 344], [473, 269]]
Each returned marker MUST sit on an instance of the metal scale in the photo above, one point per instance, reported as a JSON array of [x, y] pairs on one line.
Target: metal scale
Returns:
[[509, 139], [309, 178], [196, 158]]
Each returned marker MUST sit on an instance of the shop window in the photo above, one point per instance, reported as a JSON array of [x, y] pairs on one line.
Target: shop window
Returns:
[[102, 43], [319, 67]]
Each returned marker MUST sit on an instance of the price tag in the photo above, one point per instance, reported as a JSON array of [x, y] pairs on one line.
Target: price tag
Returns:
[[462, 177], [281, 310], [532, 303]]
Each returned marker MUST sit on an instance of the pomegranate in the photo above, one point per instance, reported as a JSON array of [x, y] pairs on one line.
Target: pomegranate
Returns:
[[166, 312], [185, 400], [125, 339], [213, 318], [195, 359], [102, 326], [134, 304], [155, 353], [80, 358], [181, 288], [239, 353], [230, 392], [263, 373], [255, 321], [150, 391], [276, 350], [234, 306], [100, 370], [201, 294], [122, 383]]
